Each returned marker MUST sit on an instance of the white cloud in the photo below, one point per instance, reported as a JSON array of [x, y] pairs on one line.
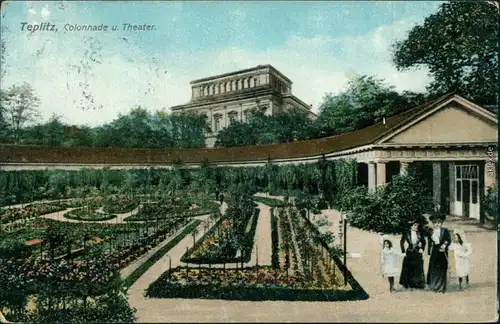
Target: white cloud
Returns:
[[115, 75], [45, 12]]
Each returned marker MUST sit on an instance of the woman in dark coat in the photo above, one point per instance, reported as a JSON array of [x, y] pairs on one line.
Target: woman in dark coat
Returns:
[[412, 272], [439, 241]]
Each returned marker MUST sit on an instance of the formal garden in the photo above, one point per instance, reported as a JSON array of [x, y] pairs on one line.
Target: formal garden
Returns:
[[303, 266]]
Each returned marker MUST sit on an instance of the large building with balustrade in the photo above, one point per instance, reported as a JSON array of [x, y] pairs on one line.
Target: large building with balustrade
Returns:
[[229, 97]]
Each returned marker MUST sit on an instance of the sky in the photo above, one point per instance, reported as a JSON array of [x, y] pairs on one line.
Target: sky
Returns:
[[90, 77]]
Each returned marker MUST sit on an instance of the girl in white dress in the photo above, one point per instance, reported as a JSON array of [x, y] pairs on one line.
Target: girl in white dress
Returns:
[[462, 251], [389, 260]]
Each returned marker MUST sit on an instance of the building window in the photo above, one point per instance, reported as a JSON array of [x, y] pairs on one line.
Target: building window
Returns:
[[217, 123], [233, 117], [474, 190]]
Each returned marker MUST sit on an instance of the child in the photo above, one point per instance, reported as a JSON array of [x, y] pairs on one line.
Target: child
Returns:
[[462, 251], [389, 261]]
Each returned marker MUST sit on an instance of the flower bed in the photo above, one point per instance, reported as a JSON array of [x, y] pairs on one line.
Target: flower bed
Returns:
[[247, 284], [219, 245], [132, 278], [84, 214], [119, 204], [129, 251], [29, 211], [270, 201]]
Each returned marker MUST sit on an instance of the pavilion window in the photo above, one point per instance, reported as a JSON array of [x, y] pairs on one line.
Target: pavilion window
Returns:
[[474, 190]]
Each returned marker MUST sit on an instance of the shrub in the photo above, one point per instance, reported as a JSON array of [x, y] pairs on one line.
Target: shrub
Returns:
[[389, 208], [490, 202]]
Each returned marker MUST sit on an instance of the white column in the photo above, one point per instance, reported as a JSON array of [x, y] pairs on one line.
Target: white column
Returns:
[[372, 177], [225, 116], [380, 173], [403, 167], [436, 183], [212, 125], [451, 174]]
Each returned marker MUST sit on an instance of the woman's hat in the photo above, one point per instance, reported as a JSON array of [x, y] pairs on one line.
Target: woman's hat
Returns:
[[437, 217], [385, 238]]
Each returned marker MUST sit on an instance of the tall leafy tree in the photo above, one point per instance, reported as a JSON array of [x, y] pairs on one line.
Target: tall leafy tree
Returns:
[[459, 46], [188, 130], [21, 107], [4, 125], [366, 101], [50, 133], [285, 127]]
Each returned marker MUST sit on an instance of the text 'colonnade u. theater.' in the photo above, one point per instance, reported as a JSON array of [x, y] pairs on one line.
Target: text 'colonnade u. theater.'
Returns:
[[451, 138]]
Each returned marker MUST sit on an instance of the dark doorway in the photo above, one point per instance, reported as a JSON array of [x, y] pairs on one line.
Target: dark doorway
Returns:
[[362, 174]]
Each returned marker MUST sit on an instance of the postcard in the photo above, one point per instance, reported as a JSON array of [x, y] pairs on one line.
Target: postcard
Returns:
[[248, 161]]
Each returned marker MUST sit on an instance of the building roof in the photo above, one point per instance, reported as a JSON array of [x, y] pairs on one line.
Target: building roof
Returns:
[[309, 148], [229, 97], [258, 67]]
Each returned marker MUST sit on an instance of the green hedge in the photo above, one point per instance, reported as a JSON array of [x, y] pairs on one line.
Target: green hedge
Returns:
[[189, 213], [164, 289], [84, 215], [270, 201], [226, 255], [274, 241], [132, 278]]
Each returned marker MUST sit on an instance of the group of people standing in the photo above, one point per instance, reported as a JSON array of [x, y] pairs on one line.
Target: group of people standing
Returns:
[[413, 244]]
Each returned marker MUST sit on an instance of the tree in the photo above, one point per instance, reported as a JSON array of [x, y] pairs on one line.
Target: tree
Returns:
[[459, 46], [366, 101], [285, 127], [4, 126], [50, 133], [2, 51], [188, 130], [20, 104]]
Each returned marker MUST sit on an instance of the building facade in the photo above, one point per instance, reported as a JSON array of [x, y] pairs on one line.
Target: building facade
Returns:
[[229, 97]]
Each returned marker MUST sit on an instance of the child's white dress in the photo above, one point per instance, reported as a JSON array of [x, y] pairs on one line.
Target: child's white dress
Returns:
[[389, 262], [462, 253]]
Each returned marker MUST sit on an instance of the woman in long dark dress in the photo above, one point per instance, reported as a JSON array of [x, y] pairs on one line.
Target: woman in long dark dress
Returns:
[[439, 242], [412, 272]]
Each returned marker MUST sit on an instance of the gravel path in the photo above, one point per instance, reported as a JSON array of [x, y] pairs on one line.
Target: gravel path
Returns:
[[59, 216]]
